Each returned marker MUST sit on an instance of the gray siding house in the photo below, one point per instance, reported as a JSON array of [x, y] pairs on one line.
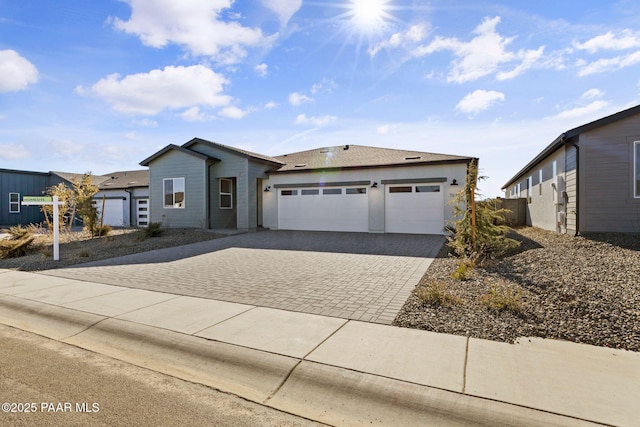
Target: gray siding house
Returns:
[[14, 184], [345, 188], [587, 179]]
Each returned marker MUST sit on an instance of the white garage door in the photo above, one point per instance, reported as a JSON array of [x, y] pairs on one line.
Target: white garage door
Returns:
[[414, 208], [113, 212], [324, 209]]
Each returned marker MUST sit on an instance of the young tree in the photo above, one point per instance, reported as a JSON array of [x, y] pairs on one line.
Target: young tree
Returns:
[[65, 194], [480, 231], [84, 189]]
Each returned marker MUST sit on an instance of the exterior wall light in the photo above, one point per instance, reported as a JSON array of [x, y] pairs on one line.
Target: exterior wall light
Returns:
[[454, 182], [268, 189], [374, 185]]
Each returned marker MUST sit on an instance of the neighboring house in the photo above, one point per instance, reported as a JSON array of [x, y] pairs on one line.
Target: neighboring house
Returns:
[[14, 184], [587, 179], [345, 188], [126, 195], [125, 198]]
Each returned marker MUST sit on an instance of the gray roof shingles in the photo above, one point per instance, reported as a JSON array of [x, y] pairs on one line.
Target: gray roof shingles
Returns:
[[358, 156]]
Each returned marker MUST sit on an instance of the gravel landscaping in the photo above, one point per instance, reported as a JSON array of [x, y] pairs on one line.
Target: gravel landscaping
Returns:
[[580, 289], [77, 247]]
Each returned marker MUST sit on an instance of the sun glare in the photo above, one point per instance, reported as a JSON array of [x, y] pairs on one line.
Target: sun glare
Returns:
[[367, 15]]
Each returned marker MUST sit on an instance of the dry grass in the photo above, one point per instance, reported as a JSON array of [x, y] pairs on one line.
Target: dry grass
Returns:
[[78, 247]]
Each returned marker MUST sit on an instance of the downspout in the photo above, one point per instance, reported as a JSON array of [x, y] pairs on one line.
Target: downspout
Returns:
[[574, 145]]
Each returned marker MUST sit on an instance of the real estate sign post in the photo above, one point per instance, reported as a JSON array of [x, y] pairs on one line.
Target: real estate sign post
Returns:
[[46, 200]]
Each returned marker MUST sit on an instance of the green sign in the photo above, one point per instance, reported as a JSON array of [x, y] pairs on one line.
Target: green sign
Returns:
[[36, 199]]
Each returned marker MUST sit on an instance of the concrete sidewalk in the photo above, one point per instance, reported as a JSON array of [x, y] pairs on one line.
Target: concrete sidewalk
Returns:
[[336, 371]]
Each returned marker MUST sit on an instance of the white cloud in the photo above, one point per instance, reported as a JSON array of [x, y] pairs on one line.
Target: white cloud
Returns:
[[145, 123], [479, 100], [170, 88], [592, 94], [195, 25], [578, 112], [3, 117], [16, 71], [609, 64], [285, 9], [193, 114], [383, 130], [66, 148], [132, 136], [325, 86], [610, 41], [320, 121], [297, 98], [482, 55], [261, 69], [233, 112], [13, 151], [408, 39], [271, 105]]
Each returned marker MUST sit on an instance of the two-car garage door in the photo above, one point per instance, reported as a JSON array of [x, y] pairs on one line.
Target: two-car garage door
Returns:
[[408, 208]]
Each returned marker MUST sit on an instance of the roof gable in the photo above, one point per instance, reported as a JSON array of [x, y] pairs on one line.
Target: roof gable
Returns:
[[233, 150], [359, 156], [171, 147]]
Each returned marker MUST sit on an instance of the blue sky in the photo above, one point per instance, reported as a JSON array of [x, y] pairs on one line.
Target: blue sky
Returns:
[[99, 86]]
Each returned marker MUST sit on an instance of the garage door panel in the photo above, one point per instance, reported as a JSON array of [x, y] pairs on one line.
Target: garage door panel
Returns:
[[420, 211], [113, 212], [323, 212]]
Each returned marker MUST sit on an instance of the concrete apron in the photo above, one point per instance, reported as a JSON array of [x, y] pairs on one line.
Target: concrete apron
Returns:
[[357, 373]]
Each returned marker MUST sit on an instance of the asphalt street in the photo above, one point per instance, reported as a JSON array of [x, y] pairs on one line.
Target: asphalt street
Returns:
[[49, 383]]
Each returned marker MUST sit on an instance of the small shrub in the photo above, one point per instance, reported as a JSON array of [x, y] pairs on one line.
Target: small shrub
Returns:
[[17, 232], [464, 270], [436, 294], [154, 229], [13, 248], [84, 254], [503, 299], [102, 231]]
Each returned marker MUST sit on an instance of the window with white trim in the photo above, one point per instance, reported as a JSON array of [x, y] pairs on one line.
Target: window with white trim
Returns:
[[173, 193], [226, 193], [636, 169], [540, 182], [14, 202]]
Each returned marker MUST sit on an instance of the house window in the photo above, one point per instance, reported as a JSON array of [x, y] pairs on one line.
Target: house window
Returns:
[[226, 194], [362, 190], [332, 191], [14, 202], [427, 188], [173, 193], [289, 192], [637, 168], [540, 182], [407, 189]]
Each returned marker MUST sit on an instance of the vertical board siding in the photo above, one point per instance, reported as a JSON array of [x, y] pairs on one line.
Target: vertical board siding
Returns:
[[26, 184], [571, 180]]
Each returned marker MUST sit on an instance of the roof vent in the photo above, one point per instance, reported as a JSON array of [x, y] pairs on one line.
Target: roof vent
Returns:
[[301, 165], [325, 151], [412, 158], [346, 147]]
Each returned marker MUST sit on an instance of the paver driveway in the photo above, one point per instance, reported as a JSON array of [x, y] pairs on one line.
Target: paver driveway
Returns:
[[349, 275]]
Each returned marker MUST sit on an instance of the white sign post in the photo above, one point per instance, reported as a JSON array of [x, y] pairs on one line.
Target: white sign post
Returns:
[[39, 201]]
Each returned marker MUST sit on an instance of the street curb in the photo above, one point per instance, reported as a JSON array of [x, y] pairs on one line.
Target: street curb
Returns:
[[323, 393]]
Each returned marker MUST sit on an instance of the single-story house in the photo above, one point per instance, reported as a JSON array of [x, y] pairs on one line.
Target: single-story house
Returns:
[[587, 179], [344, 188], [125, 195], [124, 198]]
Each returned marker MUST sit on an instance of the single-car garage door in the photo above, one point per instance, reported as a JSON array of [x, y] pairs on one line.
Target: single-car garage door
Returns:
[[324, 209], [113, 211], [414, 208]]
